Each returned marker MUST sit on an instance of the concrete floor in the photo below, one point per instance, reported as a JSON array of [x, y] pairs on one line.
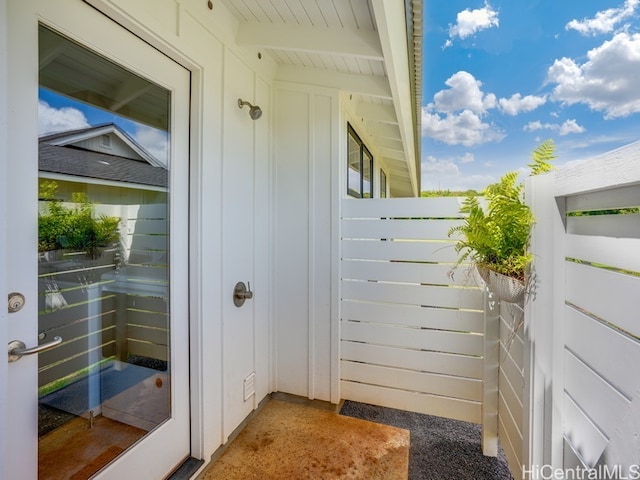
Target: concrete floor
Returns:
[[292, 441]]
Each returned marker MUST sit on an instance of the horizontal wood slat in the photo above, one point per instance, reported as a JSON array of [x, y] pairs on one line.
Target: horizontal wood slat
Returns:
[[510, 428], [150, 350], [409, 272], [604, 294], [148, 211], [627, 226], [512, 398], [73, 346], [513, 458], [602, 403], [608, 199], [588, 338], [612, 252], [141, 226], [457, 409], [60, 370], [432, 362], [426, 251], [411, 380], [152, 335], [413, 338], [430, 296], [398, 228], [583, 435], [148, 319], [414, 316], [403, 207], [75, 313]]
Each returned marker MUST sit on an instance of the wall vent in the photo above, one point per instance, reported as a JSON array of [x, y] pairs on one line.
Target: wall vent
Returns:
[[249, 385]]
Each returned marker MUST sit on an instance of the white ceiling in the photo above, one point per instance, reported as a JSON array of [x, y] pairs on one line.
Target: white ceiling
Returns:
[[356, 46]]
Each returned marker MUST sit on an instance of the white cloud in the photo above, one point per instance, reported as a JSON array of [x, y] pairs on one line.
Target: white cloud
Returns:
[[465, 128], [469, 22], [464, 93], [466, 158], [533, 126], [517, 103], [441, 174], [155, 141], [51, 120], [432, 165], [456, 114], [606, 81], [604, 21], [569, 126]]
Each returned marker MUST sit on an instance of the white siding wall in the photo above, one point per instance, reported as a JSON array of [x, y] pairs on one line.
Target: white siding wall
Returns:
[[306, 156], [222, 137]]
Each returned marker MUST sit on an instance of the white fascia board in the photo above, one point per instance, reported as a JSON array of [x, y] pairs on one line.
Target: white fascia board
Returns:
[[321, 40], [391, 23], [371, 85], [96, 181]]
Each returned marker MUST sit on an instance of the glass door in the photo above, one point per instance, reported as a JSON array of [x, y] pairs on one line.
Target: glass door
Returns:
[[108, 231]]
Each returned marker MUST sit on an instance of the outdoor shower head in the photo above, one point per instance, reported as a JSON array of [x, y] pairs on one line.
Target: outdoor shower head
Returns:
[[255, 112]]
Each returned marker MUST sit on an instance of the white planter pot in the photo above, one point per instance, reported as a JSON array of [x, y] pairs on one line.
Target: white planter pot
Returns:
[[506, 288]]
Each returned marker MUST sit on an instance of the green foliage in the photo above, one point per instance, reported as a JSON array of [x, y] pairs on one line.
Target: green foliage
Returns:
[[75, 228], [498, 237], [448, 193], [542, 156]]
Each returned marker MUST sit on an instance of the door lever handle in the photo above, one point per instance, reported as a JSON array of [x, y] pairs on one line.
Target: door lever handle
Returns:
[[17, 349]]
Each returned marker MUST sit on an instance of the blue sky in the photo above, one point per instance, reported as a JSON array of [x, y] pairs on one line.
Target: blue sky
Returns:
[[502, 76]]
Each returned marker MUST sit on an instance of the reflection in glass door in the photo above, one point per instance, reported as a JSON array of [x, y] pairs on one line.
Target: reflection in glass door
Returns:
[[103, 258]]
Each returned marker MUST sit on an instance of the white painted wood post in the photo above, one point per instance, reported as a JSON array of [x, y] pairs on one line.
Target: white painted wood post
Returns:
[[490, 376], [543, 374]]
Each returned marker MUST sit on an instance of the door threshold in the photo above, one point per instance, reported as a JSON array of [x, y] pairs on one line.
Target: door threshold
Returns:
[[187, 470]]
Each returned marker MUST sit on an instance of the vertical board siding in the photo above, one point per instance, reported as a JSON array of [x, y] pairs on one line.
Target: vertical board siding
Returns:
[[411, 331]]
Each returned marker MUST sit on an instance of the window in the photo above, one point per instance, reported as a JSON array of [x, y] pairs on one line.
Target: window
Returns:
[[360, 168], [383, 184]]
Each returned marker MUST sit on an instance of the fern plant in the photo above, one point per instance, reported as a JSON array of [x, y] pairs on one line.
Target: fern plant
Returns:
[[497, 237], [75, 228]]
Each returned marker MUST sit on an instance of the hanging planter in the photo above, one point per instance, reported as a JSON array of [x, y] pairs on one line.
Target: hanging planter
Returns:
[[506, 288]]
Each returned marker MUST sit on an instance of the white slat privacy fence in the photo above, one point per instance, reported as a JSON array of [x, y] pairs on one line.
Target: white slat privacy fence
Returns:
[[585, 386], [511, 383], [411, 334]]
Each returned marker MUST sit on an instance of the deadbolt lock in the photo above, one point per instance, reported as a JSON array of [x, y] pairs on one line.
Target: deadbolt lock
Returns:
[[16, 302]]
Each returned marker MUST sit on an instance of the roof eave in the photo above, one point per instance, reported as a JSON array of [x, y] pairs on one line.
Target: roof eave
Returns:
[[391, 21]]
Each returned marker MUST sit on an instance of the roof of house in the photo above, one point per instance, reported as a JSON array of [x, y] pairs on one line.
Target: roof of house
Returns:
[[369, 49], [74, 153]]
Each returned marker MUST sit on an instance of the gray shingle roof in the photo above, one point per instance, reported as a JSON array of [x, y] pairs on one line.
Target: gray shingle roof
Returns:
[[71, 160]]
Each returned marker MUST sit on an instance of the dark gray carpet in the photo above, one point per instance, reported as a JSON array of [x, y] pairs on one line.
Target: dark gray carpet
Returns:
[[441, 449]]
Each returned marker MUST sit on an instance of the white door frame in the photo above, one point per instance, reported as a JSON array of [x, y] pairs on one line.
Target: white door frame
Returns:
[[68, 18]]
